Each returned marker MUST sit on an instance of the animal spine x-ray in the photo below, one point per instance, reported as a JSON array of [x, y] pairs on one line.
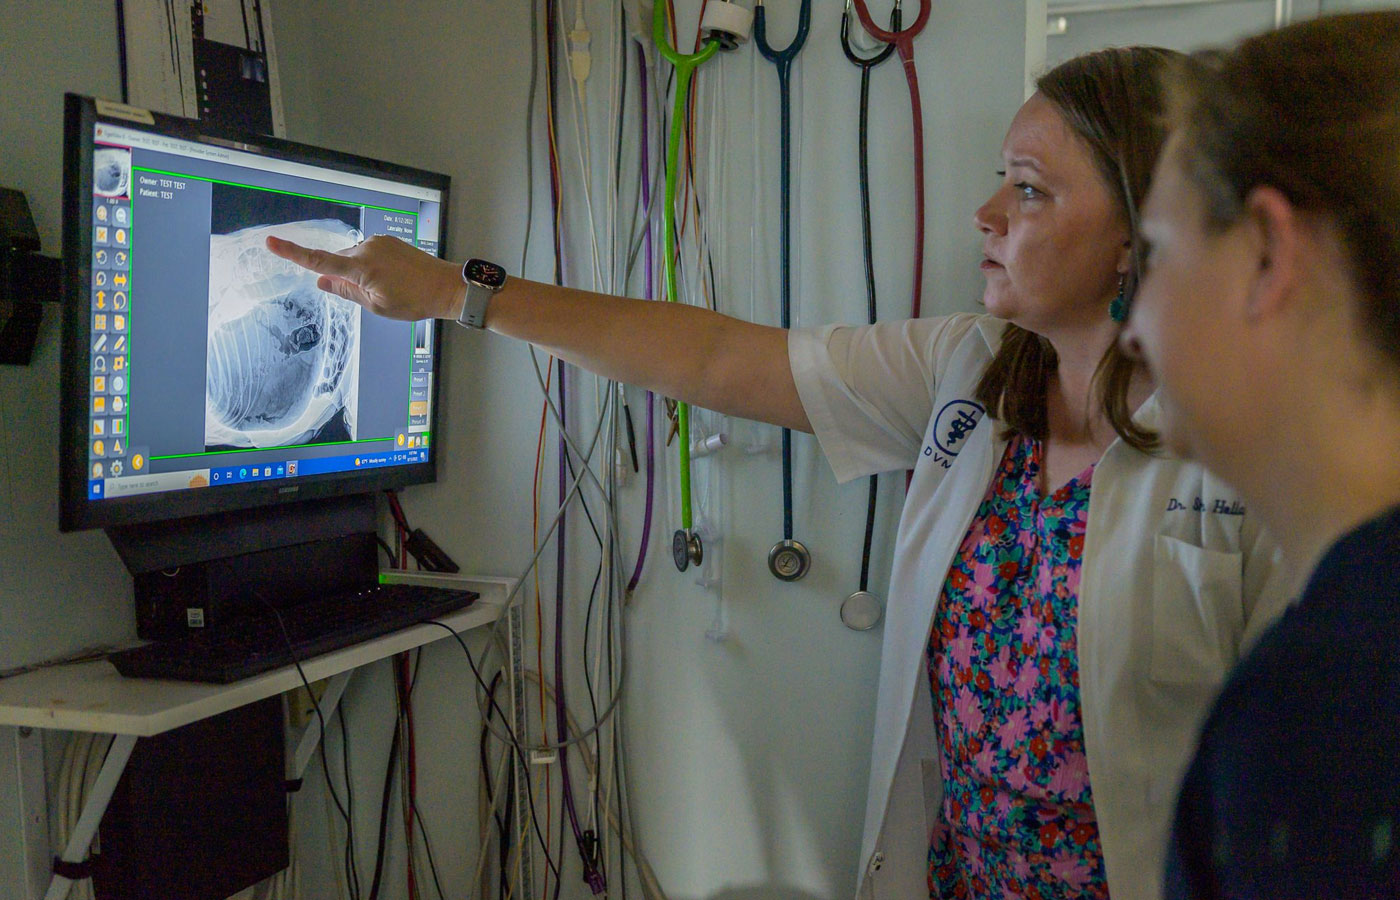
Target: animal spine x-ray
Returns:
[[283, 355]]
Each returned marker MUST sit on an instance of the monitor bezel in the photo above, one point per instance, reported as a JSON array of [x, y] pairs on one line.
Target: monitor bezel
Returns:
[[76, 510]]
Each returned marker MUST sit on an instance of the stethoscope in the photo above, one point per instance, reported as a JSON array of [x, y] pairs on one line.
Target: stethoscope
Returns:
[[686, 547], [789, 560], [903, 42], [862, 609]]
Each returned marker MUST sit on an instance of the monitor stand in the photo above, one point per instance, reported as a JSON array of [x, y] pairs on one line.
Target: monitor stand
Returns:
[[191, 575]]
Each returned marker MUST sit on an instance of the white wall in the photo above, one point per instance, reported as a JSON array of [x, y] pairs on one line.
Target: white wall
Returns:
[[58, 593], [748, 756]]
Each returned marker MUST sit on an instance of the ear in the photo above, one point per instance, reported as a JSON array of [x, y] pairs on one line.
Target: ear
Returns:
[[1276, 245]]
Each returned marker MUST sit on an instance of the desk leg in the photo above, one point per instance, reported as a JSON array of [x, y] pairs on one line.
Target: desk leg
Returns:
[[93, 808], [311, 735]]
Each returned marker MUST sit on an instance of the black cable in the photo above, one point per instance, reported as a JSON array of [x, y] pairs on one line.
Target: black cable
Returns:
[[262, 35], [121, 48], [247, 36], [514, 741], [428, 846], [352, 875], [384, 803], [175, 50], [349, 794], [485, 763], [389, 551]]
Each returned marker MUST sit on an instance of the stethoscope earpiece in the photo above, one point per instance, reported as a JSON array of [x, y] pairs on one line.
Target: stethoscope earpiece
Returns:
[[789, 560], [861, 611]]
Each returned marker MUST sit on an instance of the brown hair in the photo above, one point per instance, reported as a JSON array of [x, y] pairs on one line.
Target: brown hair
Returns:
[[1111, 99], [1312, 110]]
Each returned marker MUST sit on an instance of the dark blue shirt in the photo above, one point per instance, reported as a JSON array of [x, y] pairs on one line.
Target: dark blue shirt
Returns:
[[1295, 788]]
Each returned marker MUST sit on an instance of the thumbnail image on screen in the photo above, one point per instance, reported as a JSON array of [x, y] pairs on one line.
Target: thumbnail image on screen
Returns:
[[282, 362]]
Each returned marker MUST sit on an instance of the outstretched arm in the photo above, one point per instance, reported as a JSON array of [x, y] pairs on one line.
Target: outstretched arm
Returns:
[[692, 354]]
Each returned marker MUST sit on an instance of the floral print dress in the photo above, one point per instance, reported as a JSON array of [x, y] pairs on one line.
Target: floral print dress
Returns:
[[1018, 816]]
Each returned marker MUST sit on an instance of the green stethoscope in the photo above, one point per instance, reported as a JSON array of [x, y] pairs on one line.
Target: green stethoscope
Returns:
[[789, 560], [686, 548]]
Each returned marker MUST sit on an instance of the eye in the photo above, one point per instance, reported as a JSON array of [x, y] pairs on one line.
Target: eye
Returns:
[[1029, 191]]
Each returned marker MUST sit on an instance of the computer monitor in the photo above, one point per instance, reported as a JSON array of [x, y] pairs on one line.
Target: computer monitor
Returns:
[[205, 380], [200, 372]]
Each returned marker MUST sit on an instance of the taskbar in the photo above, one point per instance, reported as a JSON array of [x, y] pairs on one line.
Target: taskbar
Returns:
[[218, 476]]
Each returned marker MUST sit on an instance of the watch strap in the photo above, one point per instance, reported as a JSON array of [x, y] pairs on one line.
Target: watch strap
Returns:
[[473, 314]]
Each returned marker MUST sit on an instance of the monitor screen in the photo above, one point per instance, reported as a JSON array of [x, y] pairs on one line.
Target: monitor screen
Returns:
[[203, 374]]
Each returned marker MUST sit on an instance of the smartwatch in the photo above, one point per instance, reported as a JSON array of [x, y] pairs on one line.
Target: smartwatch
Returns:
[[483, 279]]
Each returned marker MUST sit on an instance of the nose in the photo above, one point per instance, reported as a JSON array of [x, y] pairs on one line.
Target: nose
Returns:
[[989, 218]]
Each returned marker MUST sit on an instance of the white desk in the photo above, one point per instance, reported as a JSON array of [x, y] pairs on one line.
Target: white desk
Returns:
[[92, 697]]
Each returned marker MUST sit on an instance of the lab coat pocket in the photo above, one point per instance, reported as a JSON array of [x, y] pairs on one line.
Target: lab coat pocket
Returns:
[[1197, 613]]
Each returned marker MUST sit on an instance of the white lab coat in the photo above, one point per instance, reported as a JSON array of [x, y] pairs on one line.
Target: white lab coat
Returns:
[[1176, 581]]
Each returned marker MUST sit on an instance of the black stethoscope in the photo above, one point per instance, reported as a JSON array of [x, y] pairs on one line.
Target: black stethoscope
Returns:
[[789, 560], [862, 609]]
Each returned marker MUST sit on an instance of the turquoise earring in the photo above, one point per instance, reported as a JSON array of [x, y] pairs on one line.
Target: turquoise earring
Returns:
[[1118, 309]]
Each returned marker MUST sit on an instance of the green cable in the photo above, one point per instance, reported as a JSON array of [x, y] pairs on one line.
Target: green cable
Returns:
[[685, 65]]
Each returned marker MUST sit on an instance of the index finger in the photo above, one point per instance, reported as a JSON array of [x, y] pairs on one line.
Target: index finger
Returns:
[[319, 261]]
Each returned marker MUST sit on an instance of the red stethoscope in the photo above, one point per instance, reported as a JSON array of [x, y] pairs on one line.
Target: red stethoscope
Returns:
[[903, 41]]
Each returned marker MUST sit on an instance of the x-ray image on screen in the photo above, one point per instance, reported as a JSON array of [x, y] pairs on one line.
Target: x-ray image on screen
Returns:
[[283, 355], [111, 176]]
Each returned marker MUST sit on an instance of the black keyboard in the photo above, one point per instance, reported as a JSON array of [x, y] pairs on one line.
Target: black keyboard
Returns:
[[238, 650]]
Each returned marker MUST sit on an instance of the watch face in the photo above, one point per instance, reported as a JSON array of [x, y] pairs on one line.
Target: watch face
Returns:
[[483, 272]]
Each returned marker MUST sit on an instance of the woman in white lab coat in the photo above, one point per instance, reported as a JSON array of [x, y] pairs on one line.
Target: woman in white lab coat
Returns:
[[1270, 313], [1065, 601]]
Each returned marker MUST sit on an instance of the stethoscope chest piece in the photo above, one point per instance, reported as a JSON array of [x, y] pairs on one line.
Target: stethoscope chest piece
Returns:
[[686, 550], [789, 560], [861, 611]]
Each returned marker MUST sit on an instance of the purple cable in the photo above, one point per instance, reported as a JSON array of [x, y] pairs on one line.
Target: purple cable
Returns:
[[650, 295], [591, 874]]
